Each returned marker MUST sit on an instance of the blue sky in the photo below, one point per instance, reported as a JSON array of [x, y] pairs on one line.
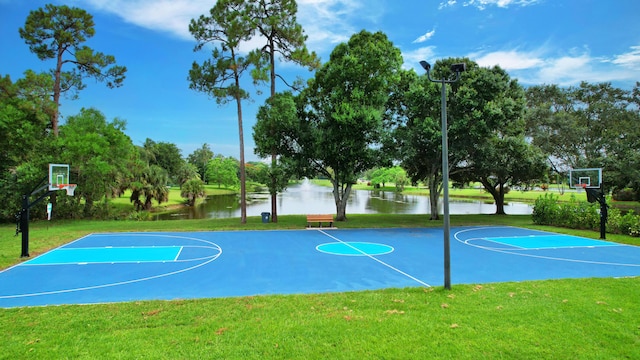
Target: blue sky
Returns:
[[536, 41]]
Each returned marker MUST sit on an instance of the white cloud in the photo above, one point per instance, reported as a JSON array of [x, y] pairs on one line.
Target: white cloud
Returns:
[[326, 22], [483, 4], [425, 37], [413, 58], [630, 59], [539, 67], [330, 22], [170, 16], [508, 60]]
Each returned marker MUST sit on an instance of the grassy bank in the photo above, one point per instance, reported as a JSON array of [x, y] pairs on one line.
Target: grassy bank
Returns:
[[583, 318]]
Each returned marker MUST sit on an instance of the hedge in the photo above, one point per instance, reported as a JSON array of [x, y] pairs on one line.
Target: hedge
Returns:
[[576, 214]]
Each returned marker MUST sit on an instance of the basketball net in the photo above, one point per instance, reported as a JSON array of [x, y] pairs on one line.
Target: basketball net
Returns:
[[71, 188]]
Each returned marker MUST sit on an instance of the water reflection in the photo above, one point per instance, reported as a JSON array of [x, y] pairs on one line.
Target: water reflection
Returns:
[[307, 198]]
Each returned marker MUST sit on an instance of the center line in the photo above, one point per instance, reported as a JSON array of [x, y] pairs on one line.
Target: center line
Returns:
[[378, 260]]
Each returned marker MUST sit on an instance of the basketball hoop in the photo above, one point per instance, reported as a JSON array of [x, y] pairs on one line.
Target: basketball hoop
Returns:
[[71, 188]]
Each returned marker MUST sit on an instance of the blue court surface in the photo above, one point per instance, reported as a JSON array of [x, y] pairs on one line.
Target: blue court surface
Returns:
[[116, 267]]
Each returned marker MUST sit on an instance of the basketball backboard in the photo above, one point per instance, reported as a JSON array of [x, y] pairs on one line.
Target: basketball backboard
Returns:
[[590, 178], [58, 176]]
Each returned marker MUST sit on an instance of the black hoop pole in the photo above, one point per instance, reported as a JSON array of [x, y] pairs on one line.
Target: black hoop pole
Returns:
[[594, 195], [24, 217]]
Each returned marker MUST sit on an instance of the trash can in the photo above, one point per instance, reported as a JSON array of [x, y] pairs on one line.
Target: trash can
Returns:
[[265, 217]]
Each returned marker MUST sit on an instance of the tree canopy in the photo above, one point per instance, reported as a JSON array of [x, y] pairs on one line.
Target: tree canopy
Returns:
[[58, 32], [339, 126]]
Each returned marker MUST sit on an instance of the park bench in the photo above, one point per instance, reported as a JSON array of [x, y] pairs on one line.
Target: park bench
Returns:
[[320, 218]]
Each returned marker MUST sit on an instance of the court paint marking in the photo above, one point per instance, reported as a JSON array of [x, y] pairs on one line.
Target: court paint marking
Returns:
[[552, 241], [107, 255], [63, 291], [338, 248], [378, 260], [518, 252]]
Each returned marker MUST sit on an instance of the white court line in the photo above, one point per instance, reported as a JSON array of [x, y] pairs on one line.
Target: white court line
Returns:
[[124, 282], [514, 251], [378, 260]]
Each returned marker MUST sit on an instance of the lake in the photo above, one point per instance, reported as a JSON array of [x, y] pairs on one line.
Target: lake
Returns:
[[307, 198]]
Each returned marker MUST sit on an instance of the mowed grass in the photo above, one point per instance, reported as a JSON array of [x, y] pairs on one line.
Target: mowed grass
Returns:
[[559, 319]]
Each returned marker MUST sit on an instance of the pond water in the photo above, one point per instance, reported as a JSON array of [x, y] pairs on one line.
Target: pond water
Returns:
[[307, 198]]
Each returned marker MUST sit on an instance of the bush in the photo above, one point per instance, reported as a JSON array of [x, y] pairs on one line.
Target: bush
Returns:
[[545, 210], [581, 215], [624, 195]]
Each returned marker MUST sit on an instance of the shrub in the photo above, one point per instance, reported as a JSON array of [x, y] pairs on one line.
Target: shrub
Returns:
[[581, 215], [626, 194], [545, 210]]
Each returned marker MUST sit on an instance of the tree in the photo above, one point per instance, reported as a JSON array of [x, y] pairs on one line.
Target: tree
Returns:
[[227, 27], [589, 126], [25, 141], [150, 184], [278, 111], [417, 137], [192, 189], [339, 129], [276, 23], [185, 173], [166, 155], [200, 158], [58, 32], [222, 171], [487, 129], [99, 154]]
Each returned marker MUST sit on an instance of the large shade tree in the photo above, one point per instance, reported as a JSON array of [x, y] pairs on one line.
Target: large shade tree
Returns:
[[487, 131], [59, 32], [339, 129], [225, 29], [100, 155], [588, 126]]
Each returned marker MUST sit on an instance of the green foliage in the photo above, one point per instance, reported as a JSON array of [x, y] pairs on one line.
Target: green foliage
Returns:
[[576, 214], [151, 184], [340, 129], [200, 158], [99, 153], [58, 32], [167, 156], [276, 23], [395, 175], [626, 194], [588, 126], [192, 190], [222, 171], [228, 26]]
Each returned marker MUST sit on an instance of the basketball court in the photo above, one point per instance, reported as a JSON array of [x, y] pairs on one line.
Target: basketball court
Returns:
[[117, 267]]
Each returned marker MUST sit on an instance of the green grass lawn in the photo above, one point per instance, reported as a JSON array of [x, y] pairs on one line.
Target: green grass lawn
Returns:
[[559, 319]]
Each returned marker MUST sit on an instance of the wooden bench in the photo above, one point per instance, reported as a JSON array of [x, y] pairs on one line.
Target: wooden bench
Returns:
[[320, 218]]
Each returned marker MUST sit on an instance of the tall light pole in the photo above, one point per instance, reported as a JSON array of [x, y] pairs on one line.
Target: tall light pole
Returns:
[[457, 68]]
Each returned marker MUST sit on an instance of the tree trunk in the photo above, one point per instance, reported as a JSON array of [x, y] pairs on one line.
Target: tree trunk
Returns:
[[434, 195], [497, 191], [272, 64], [243, 185], [341, 196]]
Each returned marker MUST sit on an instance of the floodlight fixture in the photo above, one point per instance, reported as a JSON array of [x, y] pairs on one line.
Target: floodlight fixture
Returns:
[[458, 68]]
